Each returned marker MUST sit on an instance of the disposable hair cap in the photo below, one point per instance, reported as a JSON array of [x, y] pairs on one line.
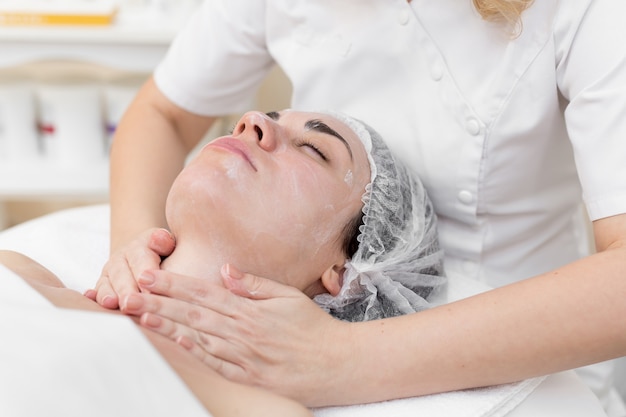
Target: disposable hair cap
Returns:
[[398, 265]]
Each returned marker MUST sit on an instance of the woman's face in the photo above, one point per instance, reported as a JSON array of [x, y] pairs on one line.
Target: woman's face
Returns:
[[275, 195]]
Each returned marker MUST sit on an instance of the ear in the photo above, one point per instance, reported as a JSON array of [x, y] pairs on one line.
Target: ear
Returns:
[[332, 279]]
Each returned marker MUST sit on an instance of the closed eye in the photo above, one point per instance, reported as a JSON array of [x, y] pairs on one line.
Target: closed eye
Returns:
[[317, 150]]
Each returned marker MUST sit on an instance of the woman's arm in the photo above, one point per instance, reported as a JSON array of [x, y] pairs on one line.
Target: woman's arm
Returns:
[[149, 149], [564, 319], [220, 396]]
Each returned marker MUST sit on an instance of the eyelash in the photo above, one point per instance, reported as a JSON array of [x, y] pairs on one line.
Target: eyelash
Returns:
[[304, 142]]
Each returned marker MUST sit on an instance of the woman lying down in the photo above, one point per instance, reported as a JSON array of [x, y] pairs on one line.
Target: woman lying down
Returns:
[[288, 193]]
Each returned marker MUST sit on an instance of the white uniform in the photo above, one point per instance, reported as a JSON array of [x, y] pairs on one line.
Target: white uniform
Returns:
[[503, 130]]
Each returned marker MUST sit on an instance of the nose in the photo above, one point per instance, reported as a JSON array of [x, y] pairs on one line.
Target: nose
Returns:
[[259, 127]]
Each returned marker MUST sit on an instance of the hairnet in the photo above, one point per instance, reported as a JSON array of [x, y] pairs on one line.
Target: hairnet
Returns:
[[398, 263]]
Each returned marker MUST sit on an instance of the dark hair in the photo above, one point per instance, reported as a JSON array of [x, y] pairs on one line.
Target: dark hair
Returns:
[[350, 234]]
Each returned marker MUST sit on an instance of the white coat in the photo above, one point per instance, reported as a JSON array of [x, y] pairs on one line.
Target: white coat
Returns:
[[509, 134]]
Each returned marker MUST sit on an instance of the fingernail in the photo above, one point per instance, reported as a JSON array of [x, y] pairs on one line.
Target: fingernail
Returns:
[[150, 320], [232, 272], [108, 302], [169, 233], [132, 302], [146, 279], [91, 294], [184, 342]]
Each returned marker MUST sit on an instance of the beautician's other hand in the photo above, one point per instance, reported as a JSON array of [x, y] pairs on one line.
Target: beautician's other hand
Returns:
[[119, 274], [256, 331]]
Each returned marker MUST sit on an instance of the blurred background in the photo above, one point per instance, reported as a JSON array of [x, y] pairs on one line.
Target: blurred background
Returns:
[[68, 70]]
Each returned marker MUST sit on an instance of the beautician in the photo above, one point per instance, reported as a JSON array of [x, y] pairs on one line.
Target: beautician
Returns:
[[513, 113]]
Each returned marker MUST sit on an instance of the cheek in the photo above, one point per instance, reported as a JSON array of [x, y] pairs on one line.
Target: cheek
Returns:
[[306, 195], [317, 205], [186, 204], [220, 182], [204, 192], [295, 214]]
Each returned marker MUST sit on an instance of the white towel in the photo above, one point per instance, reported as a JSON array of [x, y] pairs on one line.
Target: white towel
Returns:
[[73, 244], [481, 402], [61, 362]]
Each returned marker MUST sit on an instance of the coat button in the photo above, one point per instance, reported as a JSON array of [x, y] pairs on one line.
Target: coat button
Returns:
[[403, 17], [436, 71], [465, 197], [472, 126]]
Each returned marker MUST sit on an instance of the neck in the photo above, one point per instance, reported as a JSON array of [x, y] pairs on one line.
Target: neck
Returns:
[[196, 259]]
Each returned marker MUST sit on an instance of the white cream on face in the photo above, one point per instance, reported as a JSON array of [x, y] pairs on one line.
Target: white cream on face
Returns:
[[232, 170], [299, 222], [349, 178], [287, 213]]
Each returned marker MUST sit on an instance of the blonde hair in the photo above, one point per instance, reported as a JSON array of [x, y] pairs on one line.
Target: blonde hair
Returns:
[[507, 11]]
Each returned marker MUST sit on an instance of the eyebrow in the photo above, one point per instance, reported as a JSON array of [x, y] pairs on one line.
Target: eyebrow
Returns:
[[317, 126], [274, 115]]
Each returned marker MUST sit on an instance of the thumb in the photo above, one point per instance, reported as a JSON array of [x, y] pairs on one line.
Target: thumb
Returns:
[[162, 242], [253, 287]]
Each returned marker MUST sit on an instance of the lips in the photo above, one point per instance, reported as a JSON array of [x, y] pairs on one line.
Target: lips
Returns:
[[235, 146]]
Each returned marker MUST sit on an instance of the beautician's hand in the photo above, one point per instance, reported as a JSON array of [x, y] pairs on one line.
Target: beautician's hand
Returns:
[[118, 277], [255, 331]]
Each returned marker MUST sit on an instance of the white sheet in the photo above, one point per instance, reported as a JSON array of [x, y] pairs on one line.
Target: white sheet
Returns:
[[58, 362], [73, 244]]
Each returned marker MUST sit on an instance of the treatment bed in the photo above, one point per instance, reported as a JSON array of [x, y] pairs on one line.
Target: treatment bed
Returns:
[[73, 363]]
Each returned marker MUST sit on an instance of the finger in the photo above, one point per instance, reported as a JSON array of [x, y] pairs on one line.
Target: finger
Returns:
[[173, 318], [205, 346], [137, 262], [106, 296], [186, 314], [91, 294], [165, 327], [182, 335], [253, 287], [191, 290], [162, 242], [197, 351], [122, 281], [227, 369], [211, 349], [168, 328]]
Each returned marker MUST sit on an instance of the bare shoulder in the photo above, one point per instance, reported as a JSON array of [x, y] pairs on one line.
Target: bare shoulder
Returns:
[[48, 284], [27, 268]]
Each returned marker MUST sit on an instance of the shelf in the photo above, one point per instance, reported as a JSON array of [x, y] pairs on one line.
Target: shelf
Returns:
[[67, 12], [50, 180], [136, 41]]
